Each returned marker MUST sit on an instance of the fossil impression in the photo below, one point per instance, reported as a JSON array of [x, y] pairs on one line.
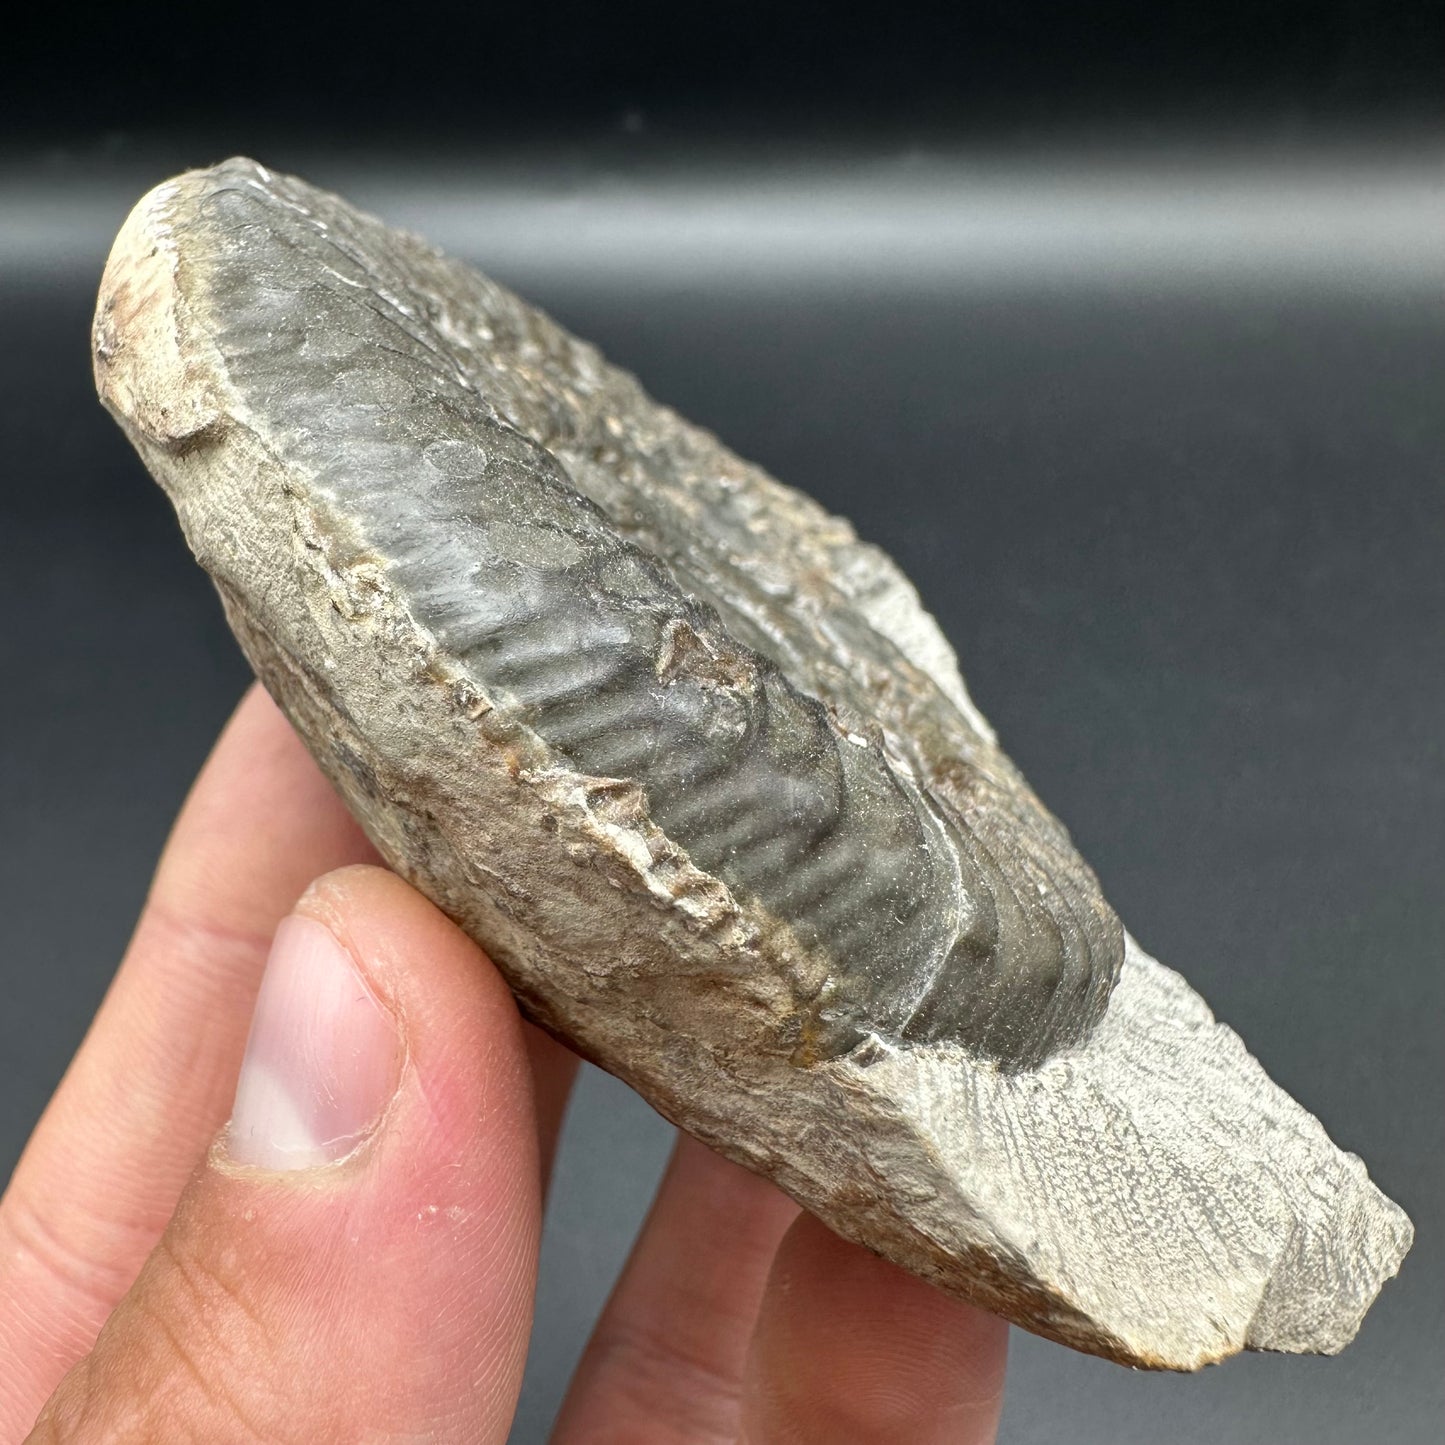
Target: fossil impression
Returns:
[[695, 767]]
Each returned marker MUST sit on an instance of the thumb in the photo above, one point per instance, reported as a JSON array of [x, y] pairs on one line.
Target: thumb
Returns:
[[355, 1258]]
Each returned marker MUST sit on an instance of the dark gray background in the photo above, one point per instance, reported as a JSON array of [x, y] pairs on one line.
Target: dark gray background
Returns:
[[1125, 341]]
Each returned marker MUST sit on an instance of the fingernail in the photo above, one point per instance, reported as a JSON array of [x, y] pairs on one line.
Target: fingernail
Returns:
[[322, 1060]]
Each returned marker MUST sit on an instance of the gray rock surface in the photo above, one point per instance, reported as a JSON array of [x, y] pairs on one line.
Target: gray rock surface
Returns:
[[700, 773]]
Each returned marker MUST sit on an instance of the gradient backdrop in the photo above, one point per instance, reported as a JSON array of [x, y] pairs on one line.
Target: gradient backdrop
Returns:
[[1122, 331]]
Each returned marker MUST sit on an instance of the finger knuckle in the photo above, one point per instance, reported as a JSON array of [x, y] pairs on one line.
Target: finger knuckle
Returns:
[[178, 1362], [63, 1260], [660, 1390]]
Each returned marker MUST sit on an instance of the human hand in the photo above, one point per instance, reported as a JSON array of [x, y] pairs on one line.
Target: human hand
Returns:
[[353, 1257]]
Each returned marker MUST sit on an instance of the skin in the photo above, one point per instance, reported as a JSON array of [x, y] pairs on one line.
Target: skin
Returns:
[[152, 1288]]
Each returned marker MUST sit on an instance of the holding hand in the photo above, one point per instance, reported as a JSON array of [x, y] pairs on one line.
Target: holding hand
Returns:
[[353, 1258]]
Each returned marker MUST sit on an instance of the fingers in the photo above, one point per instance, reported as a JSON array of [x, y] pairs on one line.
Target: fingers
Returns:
[[737, 1317], [153, 1079], [665, 1363], [849, 1347], [355, 1257]]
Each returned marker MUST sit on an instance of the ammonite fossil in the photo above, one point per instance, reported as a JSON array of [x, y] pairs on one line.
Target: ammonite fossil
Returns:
[[694, 765]]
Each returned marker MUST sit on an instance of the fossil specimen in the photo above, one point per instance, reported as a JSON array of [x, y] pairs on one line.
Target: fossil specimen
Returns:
[[697, 769]]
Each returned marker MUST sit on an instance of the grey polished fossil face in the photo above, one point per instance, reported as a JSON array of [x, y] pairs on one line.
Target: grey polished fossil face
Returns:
[[696, 768], [632, 595]]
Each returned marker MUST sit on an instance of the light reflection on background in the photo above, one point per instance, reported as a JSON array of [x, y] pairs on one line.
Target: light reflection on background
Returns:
[[1343, 221]]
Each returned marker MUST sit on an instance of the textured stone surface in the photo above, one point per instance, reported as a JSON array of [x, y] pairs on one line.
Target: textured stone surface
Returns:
[[695, 766]]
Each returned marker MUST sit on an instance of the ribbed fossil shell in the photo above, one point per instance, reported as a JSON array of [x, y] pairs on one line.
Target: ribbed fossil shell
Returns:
[[656, 611], [697, 769]]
